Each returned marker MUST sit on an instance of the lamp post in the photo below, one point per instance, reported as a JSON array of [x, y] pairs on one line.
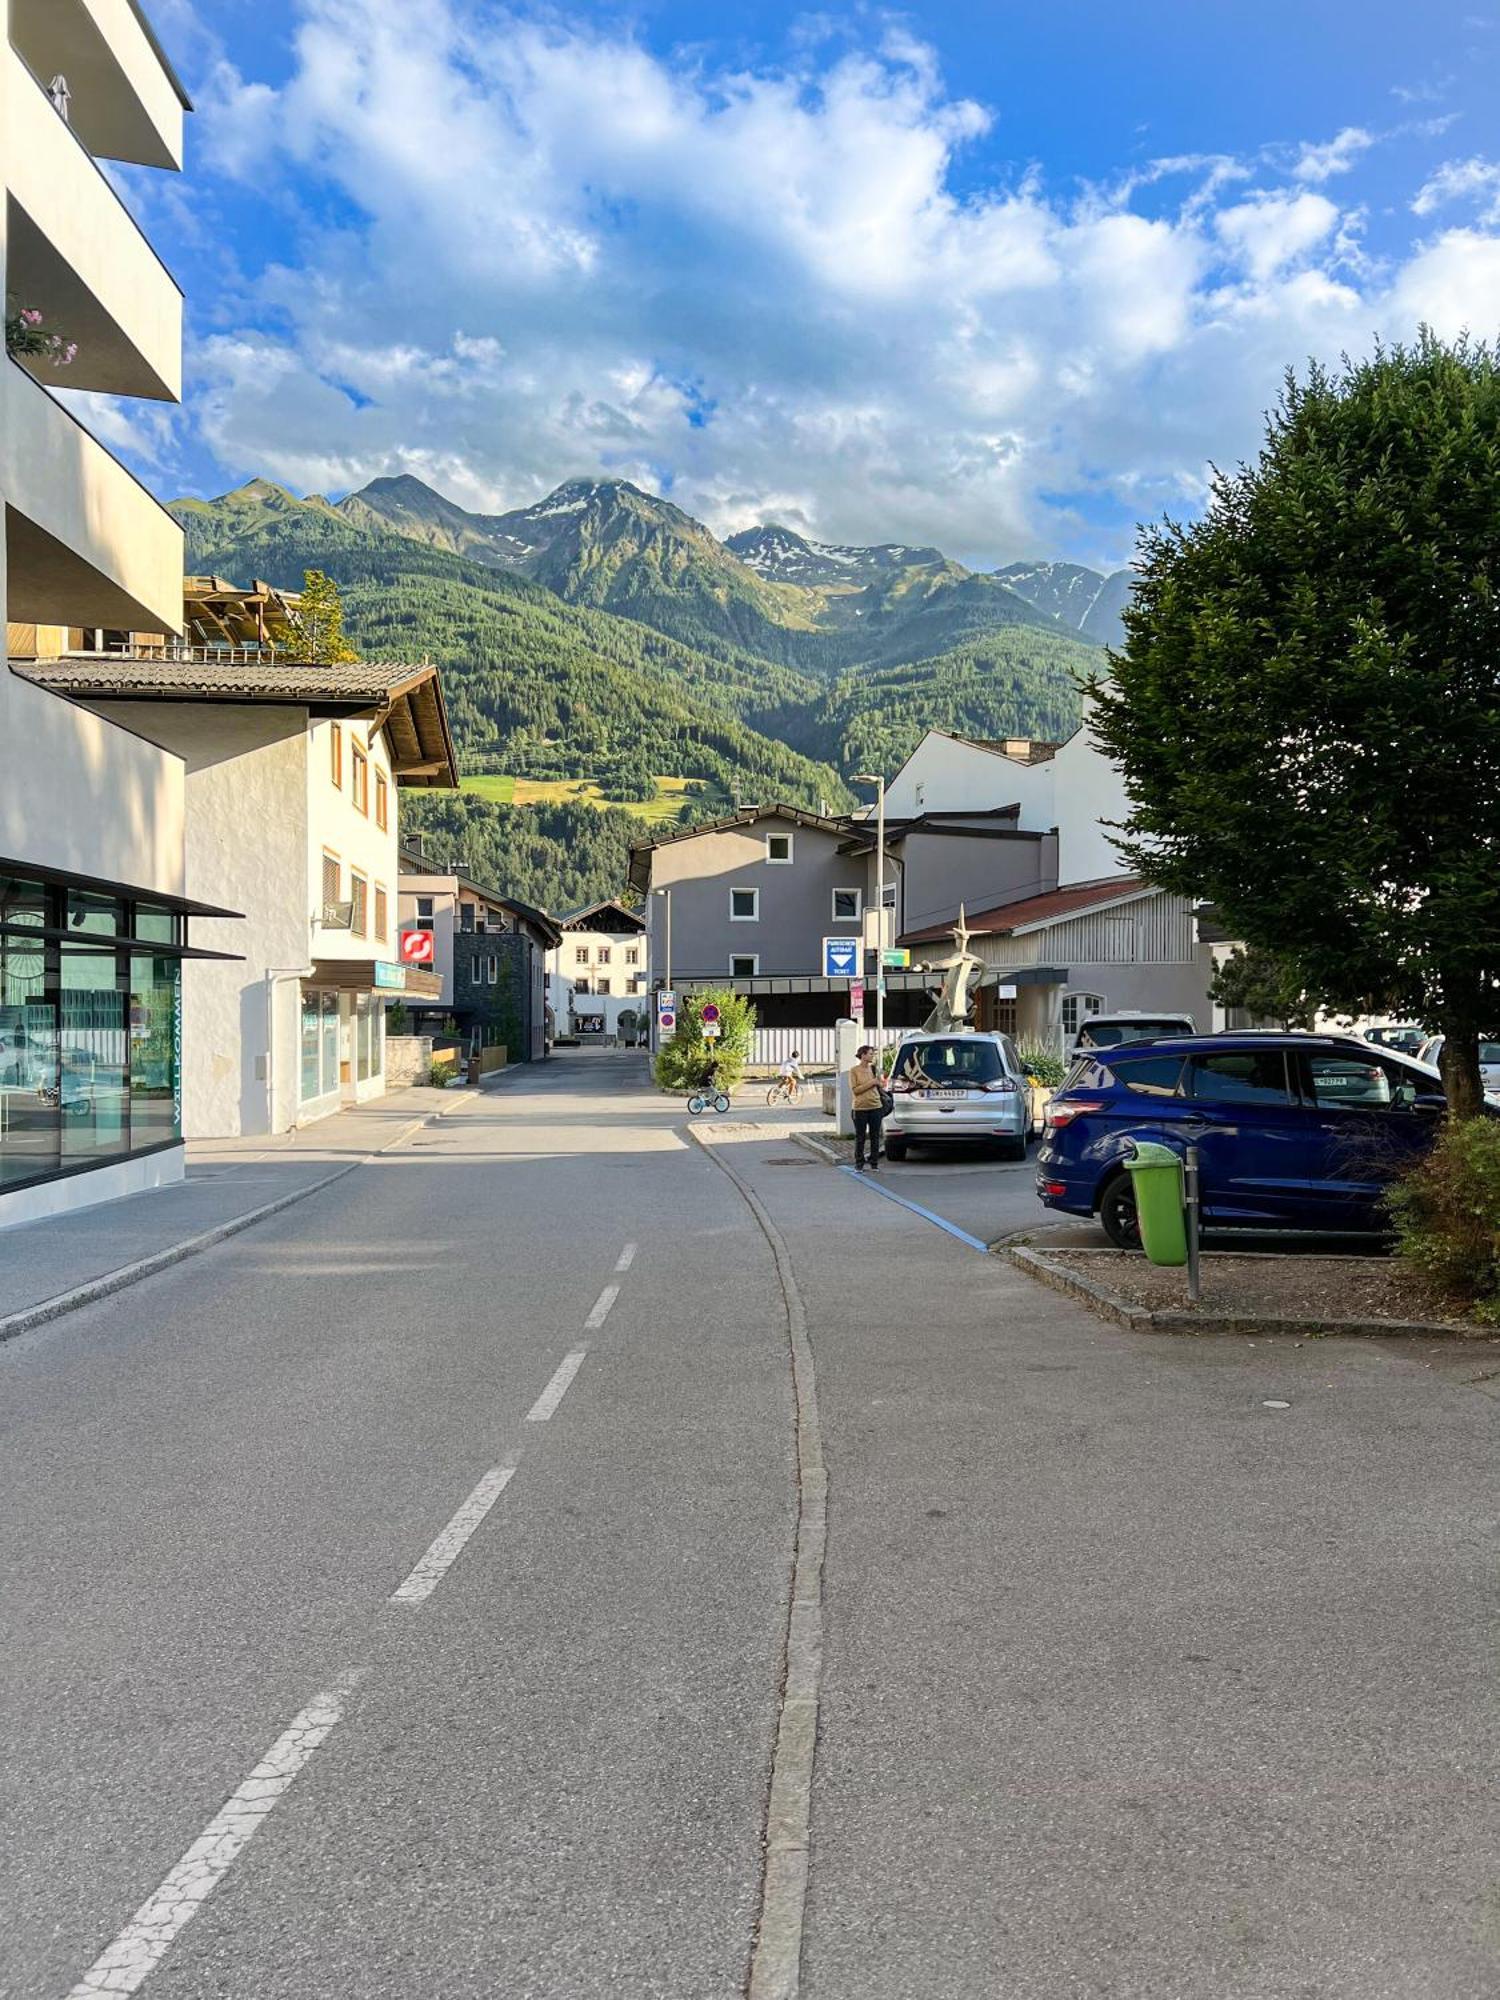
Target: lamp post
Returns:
[[878, 781]]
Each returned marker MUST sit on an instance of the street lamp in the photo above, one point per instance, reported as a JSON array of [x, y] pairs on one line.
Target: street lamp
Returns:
[[878, 781]]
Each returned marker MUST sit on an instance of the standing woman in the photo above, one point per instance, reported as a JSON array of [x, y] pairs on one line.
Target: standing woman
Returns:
[[868, 1101]]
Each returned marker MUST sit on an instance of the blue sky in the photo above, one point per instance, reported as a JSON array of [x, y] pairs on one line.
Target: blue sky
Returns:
[[1004, 277]]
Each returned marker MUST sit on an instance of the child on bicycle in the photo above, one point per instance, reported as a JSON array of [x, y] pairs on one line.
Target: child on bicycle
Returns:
[[791, 1074]]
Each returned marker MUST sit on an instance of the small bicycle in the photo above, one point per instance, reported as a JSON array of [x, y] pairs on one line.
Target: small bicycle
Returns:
[[707, 1100], [784, 1091]]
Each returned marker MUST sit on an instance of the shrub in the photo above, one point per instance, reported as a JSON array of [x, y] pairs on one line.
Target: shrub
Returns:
[[682, 1063], [1447, 1215], [441, 1074], [1043, 1065]]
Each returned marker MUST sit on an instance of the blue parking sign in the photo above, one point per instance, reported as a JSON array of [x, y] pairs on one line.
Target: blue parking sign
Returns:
[[840, 958]]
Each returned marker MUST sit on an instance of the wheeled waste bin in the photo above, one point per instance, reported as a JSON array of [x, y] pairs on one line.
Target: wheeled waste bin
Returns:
[[1156, 1181]]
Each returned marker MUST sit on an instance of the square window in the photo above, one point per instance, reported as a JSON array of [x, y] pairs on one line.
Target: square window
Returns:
[[846, 906], [744, 965], [779, 849], [744, 906]]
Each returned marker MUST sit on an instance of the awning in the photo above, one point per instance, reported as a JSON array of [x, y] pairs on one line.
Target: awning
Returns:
[[384, 976]]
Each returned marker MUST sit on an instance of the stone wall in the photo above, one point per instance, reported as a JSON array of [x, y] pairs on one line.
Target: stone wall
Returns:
[[408, 1058]]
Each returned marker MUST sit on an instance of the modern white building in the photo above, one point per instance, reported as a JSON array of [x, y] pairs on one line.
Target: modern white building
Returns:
[[600, 969], [291, 777], [94, 900]]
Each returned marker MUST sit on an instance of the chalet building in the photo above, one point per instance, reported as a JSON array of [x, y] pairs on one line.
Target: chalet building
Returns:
[[291, 775], [599, 970]]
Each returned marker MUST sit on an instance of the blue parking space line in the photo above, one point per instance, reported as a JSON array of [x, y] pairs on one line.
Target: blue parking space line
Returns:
[[916, 1209]]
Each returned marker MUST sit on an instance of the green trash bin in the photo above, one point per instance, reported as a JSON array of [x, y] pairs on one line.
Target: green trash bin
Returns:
[[1156, 1180]]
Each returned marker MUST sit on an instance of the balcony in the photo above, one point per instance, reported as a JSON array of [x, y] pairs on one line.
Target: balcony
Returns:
[[76, 253], [86, 544], [126, 102]]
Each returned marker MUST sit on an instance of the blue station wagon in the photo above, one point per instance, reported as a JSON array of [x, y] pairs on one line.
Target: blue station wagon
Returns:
[[1295, 1133]]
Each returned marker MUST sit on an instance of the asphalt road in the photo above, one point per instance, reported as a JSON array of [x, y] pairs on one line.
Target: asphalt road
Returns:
[[394, 1607]]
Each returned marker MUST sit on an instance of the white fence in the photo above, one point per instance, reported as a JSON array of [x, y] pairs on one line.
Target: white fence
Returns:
[[772, 1046]]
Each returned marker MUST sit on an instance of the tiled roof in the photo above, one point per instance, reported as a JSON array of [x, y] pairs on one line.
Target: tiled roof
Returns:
[[1062, 902]]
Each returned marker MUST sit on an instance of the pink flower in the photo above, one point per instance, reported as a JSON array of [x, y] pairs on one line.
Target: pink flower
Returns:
[[31, 316], [69, 352]]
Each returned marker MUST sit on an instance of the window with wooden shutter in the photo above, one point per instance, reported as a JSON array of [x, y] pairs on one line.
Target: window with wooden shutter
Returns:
[[330, 878], [382, 913], [359, 891]]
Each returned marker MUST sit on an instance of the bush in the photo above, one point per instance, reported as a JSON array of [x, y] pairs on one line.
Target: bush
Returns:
[[1447, 1215], [1043, 1065], [441, 1074], [682, 1063]]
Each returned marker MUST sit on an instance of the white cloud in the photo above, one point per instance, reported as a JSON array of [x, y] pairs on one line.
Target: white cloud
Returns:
[[1461, 180], [1272, 230], [521, 248], [1321, 163]]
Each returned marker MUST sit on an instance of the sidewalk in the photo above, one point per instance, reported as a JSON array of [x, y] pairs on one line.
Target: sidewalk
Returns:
[[47, 1267]]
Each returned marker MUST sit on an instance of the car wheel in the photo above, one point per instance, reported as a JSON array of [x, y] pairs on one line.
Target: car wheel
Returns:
[[895, 1149], [1117, 1214]]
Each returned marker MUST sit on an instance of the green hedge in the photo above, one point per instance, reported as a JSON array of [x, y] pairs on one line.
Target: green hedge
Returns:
[[682, 1063]]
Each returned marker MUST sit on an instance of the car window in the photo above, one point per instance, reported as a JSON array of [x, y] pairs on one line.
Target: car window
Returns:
[[1086, 1074], [1152, 1076], [1240, 1076], [1353, 1081], [1489, 1052], [1114, 1034], [959, 1060]]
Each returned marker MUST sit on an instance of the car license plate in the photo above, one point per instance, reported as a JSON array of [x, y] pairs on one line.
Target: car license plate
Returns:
[[947, 1093]]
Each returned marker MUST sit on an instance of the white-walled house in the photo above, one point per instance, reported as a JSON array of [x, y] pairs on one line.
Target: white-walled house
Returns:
[[291, 777], [1083, 935], [599, 969]]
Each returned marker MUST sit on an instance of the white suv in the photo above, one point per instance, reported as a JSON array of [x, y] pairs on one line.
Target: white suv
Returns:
[[946, 1088]]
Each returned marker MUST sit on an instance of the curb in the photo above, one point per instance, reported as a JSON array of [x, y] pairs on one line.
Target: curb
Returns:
[[1141, 1319], [108, 1282], [816, 1146]]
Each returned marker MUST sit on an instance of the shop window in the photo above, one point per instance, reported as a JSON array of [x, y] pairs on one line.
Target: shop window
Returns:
[[155, 1050], [330, 1042], [369, 1028], [93, 1071]]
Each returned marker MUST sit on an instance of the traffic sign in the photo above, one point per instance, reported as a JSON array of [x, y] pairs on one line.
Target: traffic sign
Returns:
[[666, 1021], [711, 1031], [897, 961], [710, 1012], [666, 998], [416, 947], [840, 958]]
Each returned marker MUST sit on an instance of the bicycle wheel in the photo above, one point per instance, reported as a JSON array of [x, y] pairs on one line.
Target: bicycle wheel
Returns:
[[695, 1105], [721, 1102], [775, 1094]]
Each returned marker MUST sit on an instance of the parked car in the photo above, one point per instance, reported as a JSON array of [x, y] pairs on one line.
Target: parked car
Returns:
[[1405, 1037], [946, 1088], [1489, 1060], [1295, 1132], [1109, 1031]]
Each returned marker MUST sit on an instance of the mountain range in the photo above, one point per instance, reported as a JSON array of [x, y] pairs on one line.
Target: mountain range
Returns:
[[605, 635]]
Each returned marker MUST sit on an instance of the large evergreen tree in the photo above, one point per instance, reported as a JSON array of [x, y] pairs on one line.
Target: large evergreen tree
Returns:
[[1307, 704]]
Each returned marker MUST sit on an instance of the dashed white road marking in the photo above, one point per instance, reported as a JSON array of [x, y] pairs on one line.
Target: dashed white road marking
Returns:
[[557, 1388], [627, 1257], [149, 1935], [601, 1306], [430, 1571]]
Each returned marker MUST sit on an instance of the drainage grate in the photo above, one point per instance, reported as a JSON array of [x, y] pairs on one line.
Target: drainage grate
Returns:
[[790, 1160]]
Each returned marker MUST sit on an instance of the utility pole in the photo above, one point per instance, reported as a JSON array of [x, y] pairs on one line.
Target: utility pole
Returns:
[[667, 893]]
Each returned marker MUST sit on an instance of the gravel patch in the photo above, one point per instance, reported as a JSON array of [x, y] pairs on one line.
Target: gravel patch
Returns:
[[1249, 1285]]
